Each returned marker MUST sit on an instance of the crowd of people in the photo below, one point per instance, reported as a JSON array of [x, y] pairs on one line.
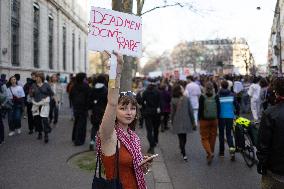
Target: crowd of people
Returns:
[[39, 98], [205, 103]]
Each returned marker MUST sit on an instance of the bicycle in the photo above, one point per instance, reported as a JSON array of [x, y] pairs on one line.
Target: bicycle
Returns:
[[245, 132]]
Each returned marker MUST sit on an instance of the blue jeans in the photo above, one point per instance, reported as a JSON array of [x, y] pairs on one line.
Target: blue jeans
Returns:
[[225, 123], [14, 117]]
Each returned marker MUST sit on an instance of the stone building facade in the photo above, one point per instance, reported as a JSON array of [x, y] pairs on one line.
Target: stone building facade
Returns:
[[275, 44], [43, 35], [227, 56]]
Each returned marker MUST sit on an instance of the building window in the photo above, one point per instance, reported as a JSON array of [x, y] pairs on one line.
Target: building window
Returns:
[[50, 41], [73, 51], [36, 35], [64, 47], [15, 32]]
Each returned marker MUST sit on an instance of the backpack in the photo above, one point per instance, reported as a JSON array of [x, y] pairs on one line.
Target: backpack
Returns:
[[210, 107]]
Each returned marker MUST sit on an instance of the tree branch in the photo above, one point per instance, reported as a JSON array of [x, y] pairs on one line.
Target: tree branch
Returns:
[[164, 6]]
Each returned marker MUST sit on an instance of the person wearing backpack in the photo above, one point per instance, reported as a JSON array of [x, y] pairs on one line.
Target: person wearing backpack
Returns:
[[209, 108], [228, 107]]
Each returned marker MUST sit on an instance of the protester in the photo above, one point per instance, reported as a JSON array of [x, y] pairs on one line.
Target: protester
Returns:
[[238, 90], [254, 93], [3, 107], [165, 106], [28, 101], [18, 78], [263, 94], [228, 105], [182, 117], [98, 101], [115, 133], [270, 145], [56, 100], [16, 94], [209, 109], [245, 97], [68, 90], [193, 91], [139, 98], [151, 111], [79, 95], [41, 94]]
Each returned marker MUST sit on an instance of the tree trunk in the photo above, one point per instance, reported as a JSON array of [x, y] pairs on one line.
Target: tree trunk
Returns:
[[126, 76]]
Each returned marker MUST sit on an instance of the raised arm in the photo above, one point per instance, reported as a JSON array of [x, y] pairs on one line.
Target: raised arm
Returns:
[[108, 122]]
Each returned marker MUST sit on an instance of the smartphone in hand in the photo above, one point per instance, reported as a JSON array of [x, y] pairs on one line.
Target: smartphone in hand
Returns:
[[148, 159]]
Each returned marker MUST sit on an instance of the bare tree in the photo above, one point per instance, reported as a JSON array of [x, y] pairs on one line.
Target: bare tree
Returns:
[[151, 65], [127, 6], [186, 53]]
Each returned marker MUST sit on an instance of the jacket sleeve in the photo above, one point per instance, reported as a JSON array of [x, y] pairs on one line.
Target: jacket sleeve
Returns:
[[264, 139]]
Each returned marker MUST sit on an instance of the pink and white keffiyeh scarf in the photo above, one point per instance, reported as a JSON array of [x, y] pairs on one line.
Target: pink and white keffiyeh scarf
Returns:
[[132, 143]]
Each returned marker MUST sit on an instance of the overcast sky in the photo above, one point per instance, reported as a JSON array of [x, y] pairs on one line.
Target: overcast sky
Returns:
[[164, 28]]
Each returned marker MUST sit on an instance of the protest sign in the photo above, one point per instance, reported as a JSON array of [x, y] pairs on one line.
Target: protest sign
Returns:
[[115, 31]]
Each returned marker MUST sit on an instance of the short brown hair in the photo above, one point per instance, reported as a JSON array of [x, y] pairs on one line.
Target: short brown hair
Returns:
[[41, 75], [224, 84]]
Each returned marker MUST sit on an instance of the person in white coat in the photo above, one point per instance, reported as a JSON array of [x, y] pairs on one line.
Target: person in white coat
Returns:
[[254, 93], [193, 92]]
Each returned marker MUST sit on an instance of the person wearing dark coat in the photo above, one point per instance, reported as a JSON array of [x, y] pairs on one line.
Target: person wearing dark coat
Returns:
[[152, 108], [98, 102], [79, 96], [28, 102], [165, 106], [270, 146]]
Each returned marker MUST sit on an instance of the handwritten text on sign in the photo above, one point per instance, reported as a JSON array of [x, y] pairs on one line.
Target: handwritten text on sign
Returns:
[[111, 30]]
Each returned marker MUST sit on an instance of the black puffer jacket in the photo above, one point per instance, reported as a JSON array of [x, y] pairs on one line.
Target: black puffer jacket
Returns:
[[98, 100], [271, 139], [80, 97], [151, 101]]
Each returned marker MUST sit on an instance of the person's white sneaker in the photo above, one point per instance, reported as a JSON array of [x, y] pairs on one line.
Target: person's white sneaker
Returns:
[[18, 131], [12, 133]]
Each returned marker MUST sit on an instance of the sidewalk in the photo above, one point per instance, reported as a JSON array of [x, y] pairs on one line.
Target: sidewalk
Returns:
[[28, 163]]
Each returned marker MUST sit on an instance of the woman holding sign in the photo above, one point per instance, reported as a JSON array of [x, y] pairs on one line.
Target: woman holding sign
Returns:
[[116, 137]]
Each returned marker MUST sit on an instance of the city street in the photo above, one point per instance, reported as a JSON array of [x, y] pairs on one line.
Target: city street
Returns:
[[31, 164], [28, 163], [222, 174]]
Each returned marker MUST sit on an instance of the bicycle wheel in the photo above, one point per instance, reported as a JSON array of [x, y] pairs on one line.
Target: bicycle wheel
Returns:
[[248, 151]]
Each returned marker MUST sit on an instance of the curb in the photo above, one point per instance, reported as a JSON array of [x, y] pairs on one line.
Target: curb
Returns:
[[162, 179]]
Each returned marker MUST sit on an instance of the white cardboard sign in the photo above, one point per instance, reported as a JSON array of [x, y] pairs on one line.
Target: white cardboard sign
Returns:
[[115, 31]]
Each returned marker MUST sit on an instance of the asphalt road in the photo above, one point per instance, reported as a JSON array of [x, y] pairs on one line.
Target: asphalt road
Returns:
[[196, 174]]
